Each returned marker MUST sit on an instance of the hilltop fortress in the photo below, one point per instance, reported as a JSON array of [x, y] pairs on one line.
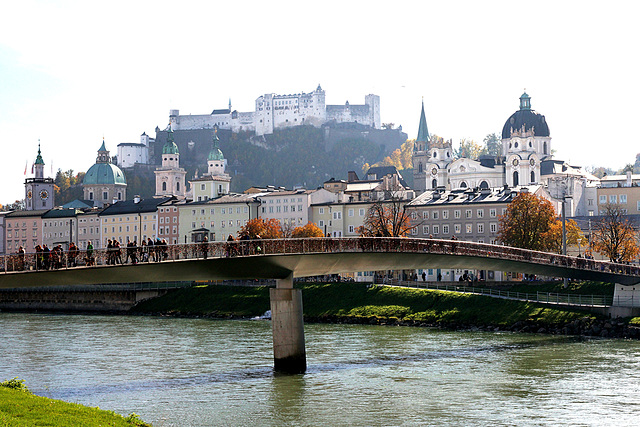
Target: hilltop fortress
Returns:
[[281, 111]]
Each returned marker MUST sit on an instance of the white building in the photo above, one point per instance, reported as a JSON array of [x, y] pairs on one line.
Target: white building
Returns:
[[170, 177], [274, 111], [292, 208]]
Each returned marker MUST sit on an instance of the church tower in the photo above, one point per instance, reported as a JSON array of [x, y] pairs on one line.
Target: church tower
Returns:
[[39, 191], [526, 142], [431, 156], [215, 182], [170, 177], [216, 162]]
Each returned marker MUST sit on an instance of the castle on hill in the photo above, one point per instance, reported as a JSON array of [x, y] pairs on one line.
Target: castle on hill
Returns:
[[274, 111]]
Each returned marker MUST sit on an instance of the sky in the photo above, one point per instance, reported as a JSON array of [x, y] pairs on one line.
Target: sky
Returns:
[[75, 72]]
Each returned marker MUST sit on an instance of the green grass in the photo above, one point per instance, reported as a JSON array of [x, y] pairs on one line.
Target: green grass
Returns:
[[360, 300], [18, 407]]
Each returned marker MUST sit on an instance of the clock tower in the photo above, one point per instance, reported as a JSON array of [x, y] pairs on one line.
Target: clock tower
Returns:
[[39, 191]]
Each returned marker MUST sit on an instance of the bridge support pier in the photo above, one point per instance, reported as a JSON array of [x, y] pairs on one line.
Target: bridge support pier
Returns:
[[626, 301], [289, 354]]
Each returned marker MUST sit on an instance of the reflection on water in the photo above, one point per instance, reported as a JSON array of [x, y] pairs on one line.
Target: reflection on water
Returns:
[[201, 372]]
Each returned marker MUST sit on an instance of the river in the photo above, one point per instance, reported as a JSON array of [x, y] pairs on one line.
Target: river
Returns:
[[196, 372]]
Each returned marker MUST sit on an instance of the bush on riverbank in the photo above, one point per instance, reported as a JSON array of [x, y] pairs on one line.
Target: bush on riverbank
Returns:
[[19, 407]]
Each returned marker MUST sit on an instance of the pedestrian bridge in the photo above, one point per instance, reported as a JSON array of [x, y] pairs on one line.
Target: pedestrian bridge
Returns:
[[277, 259], [284, 259]]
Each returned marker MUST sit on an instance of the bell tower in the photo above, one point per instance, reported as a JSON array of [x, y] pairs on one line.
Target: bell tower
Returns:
[[39, 191]]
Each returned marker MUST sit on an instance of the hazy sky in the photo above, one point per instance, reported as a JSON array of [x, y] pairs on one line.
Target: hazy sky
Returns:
[[73, 72]]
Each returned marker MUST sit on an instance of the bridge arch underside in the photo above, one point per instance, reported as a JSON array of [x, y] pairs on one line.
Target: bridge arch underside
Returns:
[[301, 265]]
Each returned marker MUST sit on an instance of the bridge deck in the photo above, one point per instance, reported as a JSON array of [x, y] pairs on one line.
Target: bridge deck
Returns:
[[277, 259]]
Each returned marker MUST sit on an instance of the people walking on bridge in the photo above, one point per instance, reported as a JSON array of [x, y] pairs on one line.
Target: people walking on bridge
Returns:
[[150, 250], [231, 249], [72, 255], [117, 253], [90, 260], [20, 258], [144, 251], [46, 257], [204, 247]]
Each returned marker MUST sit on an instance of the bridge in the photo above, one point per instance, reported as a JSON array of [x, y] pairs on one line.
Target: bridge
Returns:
[[284, 259]]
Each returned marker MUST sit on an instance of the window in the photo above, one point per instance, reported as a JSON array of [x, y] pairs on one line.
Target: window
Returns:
[[445, 214], [202, 186], [457, 228], [468, 213], [436, 229], [492, 213], [414, 231], [337, 215], [590, 202], [603, 200], [351, 229], [456, 214], [623, 199], [445, 229], [321, 211], [223, 211], [321, 223], [469, 228], [193, 225], [480, 213], [493, 227], [435, 214], [425, 229], [613, 198], [480, 228], [351, 212], [414, 215], [425, 214]]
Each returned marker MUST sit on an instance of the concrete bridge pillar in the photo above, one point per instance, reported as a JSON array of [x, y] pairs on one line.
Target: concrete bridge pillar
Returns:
[[289, 354], [626, 301]]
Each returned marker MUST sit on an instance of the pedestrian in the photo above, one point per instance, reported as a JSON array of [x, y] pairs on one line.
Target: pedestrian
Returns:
[[230, 247], [20, 258], [89, 259], [424, 276], [204, 247]]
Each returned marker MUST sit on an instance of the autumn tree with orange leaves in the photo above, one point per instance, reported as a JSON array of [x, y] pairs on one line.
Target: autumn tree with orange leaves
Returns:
[[614, 236], [554, 236], [528, 223], [309, 230], [387, 218], [269, 229]]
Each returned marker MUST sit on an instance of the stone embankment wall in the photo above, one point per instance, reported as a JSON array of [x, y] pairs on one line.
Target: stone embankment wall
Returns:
[[69, 300], [586, 326]]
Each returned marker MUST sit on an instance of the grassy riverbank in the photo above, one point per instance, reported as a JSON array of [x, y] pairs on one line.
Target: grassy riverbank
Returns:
[[19, 407], [341, 301]]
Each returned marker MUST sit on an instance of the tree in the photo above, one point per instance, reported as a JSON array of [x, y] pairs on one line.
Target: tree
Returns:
[[574, 235], [469, 149], [269, 229], [401, 158], [387, 218], [527, 223], [614, 236], [492, 145], [309, 230]]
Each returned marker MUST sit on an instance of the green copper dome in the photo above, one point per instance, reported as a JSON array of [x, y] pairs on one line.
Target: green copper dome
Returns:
[[39, 160], [170, 147], [216, 153], [104, 173]]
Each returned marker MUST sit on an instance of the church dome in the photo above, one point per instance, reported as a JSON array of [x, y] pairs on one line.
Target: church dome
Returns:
[[170, 148], [216, 154], [527, 118], [104, 173]]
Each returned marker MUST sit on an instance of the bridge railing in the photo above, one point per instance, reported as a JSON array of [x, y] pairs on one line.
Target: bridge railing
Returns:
[[58, 258], [542, 297]]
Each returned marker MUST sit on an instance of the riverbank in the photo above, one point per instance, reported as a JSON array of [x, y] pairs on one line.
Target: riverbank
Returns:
[[360, 303], [19, 407]]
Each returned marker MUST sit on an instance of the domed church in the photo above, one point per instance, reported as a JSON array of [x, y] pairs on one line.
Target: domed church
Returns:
[[104, 182], [525, 159], [525, 144]]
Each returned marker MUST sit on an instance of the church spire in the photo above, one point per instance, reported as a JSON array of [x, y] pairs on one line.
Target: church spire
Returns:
[[39, 164], [423, 131]]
